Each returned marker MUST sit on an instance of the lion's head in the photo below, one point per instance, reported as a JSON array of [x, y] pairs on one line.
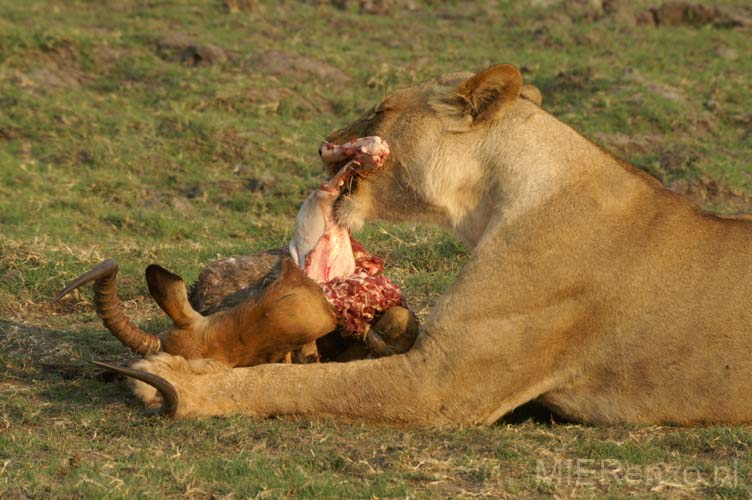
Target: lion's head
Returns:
[[435, 131]]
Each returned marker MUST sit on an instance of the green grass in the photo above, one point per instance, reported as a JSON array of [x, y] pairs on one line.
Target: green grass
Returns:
[[111, 147]]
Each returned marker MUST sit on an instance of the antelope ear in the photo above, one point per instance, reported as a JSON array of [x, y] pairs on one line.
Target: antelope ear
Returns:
[[532, 94], [290, 271], [485, 94], [168, 290]]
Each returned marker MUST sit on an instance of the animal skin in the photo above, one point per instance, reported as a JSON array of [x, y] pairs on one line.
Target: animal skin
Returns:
[[590, 288]]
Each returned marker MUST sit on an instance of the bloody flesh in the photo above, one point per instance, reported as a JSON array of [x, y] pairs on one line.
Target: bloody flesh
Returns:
[[349, 276]]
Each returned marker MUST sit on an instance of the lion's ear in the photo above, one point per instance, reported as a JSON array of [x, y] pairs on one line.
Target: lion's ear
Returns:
[[532, 94], [484, 94]]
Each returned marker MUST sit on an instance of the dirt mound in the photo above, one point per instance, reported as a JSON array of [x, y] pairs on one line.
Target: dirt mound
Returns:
[[377, 7], [235, 6], [55, 68], [188, 50], [279, 63], [707, 192], [627, 145], [694, 15], [576, 79], [673, 13]]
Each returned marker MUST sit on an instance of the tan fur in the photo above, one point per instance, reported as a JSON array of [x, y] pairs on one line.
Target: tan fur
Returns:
[[590, 287], [290, 313]]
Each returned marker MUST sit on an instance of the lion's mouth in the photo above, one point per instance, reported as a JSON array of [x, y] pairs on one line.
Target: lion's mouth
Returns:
[[346, 178], [352, 161]]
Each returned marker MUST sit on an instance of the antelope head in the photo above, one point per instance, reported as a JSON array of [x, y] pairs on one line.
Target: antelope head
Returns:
[[291, 312]]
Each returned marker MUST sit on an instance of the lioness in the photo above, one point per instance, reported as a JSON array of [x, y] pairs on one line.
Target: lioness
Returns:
[[590, 288]]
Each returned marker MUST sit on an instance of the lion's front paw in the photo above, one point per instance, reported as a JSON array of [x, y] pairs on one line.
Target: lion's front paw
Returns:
[[160, 380], [163, 366]]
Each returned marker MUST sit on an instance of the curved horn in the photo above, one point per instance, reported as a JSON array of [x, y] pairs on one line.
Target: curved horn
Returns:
[[170, 397], [109, 309]]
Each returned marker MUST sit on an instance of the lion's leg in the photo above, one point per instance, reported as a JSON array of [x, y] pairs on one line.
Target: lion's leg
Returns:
[[456, 376], [393, 389]]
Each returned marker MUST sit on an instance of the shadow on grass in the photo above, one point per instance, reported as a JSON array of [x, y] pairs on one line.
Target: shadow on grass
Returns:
[[58, 365], [535, 412]]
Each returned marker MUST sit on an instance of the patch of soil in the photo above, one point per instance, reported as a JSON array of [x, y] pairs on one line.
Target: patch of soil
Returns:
[[707, 191], [627, 145], [376, 7], [274, 98], [585, 11], [8, 133], [279, 63], [670, 162], [632, 75], [188, 50], [577, 79], [192, 191], [57, 68], [36, 346], [262, 184], [693, 14], [181, 204], [727, 53], [106, 55], [236, 6]]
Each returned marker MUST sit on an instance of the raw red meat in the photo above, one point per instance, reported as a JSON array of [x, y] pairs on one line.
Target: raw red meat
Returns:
[[349, 276]]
